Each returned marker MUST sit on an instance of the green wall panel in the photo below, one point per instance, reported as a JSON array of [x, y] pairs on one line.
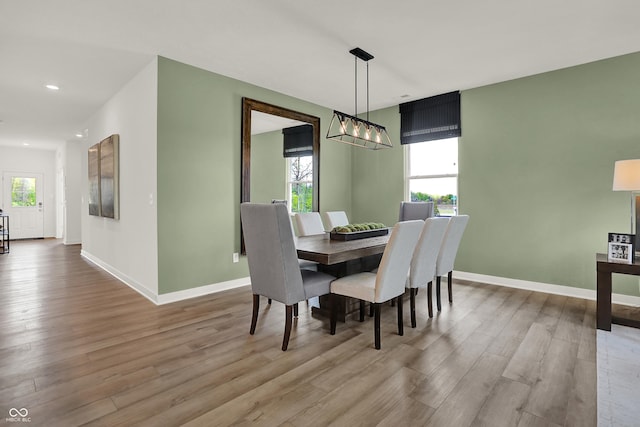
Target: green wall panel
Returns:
[[536, 168], [199, 120]]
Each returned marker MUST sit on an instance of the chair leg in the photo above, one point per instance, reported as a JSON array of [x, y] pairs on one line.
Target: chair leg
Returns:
[[288, 319], [449, 279], [371, 310], [430, 298], [254, 317], [361, 310], [376, 325], [334, 313], [400, 317], [412, 305], [295, 310], [269, 301], [438, 303]]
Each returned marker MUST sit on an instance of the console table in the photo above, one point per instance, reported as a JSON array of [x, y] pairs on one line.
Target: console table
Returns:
[[4, 234], [604, 270]]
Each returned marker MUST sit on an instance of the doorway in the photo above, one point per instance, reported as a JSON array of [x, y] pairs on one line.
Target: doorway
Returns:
[[23, 202]]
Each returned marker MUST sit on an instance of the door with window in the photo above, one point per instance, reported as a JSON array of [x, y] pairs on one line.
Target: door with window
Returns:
[[23, 202]]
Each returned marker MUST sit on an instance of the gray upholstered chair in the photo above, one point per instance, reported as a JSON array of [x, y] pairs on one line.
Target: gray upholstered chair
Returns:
[[309, 265], [415, 210], [423, 262], [273, 263], [448, 252], [335, 219], [385, 285], [309, 224]]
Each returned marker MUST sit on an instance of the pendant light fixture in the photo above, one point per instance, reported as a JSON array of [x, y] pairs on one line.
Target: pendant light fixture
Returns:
[[353, 130]]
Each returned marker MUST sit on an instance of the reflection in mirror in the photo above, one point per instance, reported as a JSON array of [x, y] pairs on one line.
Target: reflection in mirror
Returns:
[[268, 165], [266, 172]]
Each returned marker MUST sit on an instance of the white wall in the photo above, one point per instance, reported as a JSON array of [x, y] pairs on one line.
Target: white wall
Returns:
[[32, 160], [128, 247], [72, 204]]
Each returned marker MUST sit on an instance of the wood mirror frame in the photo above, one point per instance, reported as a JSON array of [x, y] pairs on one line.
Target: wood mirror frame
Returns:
[[249, 105]]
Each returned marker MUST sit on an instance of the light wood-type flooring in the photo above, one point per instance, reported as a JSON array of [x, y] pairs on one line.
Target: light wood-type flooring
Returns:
[[78, 347]]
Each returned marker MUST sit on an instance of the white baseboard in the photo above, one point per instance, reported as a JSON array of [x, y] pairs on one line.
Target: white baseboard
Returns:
[[132, 283], [171, 296], [569, 291], [202, 290]]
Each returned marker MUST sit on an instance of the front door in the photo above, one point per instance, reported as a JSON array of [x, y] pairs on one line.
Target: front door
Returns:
[[23, 203]]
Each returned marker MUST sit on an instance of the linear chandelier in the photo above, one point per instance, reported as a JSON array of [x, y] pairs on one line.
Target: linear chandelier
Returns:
[[353, 130]]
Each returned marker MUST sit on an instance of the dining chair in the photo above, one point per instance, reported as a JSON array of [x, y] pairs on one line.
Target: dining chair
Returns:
[[415, 210], [389, 281], [335, 219], [309, 223], [273, 262], [309, 265], [423, 262], [448, 252]]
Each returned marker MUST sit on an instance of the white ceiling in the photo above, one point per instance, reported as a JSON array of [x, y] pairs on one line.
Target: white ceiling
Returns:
[[91, 48]]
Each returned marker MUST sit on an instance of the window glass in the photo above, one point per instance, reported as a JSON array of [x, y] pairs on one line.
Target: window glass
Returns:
[[432, 174], [300, 183], [23, 192]]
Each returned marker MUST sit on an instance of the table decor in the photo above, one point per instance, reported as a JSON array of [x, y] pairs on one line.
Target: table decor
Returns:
[[621, 248], [358, 231]]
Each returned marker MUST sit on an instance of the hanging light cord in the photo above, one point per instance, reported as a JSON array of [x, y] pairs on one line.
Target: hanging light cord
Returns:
[[367, 90], [355, 59]]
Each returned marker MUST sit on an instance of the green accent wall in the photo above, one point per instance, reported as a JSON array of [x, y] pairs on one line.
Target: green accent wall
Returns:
[[199, 121], [535, 172], [268, 167]]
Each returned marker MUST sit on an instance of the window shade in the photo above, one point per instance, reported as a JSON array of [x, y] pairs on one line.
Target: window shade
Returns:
[[428, 119], [298, 141]]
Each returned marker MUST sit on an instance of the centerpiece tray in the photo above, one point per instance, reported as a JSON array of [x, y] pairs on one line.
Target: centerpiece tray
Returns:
[[355, 235]]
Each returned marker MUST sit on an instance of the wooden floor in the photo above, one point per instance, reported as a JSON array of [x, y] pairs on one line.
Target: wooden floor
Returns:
[[78, 347]]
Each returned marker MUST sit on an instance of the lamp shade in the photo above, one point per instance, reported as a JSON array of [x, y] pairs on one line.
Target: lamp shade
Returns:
[[626, 175]]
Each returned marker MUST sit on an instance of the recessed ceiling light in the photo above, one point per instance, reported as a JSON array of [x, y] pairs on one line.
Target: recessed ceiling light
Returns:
[[52, 87], [79, 135], [26, 144]]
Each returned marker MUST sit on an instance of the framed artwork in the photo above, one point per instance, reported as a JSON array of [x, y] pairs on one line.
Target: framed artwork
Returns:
[[104, 178], [94, 180], [621, 248]]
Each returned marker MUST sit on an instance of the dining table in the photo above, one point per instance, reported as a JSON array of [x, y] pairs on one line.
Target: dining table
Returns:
[[340, 258]]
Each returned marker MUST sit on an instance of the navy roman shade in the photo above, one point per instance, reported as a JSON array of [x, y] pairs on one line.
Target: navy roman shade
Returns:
[[298, 141], [428, 119]]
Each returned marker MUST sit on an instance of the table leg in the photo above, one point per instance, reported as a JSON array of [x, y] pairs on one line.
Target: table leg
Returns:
[[603, 301]]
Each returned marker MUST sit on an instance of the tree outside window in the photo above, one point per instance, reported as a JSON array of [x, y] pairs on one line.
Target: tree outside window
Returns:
[[23, 192], [300, 183]]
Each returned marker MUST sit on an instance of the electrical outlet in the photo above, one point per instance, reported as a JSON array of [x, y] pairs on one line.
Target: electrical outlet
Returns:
[[236, 257]]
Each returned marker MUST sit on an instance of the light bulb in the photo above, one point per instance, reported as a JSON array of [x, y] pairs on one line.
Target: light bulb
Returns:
[[356, 128]]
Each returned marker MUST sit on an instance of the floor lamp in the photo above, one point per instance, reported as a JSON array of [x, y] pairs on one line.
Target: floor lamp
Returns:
[[626, 177]]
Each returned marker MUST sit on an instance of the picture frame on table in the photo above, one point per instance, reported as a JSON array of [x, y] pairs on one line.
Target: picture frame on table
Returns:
[[621, 248]]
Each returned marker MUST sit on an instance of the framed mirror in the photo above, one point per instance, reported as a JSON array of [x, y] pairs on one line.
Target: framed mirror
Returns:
[[254, 111]]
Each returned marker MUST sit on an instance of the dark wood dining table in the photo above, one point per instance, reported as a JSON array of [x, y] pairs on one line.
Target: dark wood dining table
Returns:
[[321, 249], [340, 258]]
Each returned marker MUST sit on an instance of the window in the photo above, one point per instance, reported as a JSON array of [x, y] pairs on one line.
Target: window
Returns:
[[300, 183], [431, 171], [23, 192]]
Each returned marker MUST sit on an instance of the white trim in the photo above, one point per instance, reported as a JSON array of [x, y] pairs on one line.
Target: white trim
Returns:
[[569, 291], [202, 290], [133, 284], [171, 296]]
